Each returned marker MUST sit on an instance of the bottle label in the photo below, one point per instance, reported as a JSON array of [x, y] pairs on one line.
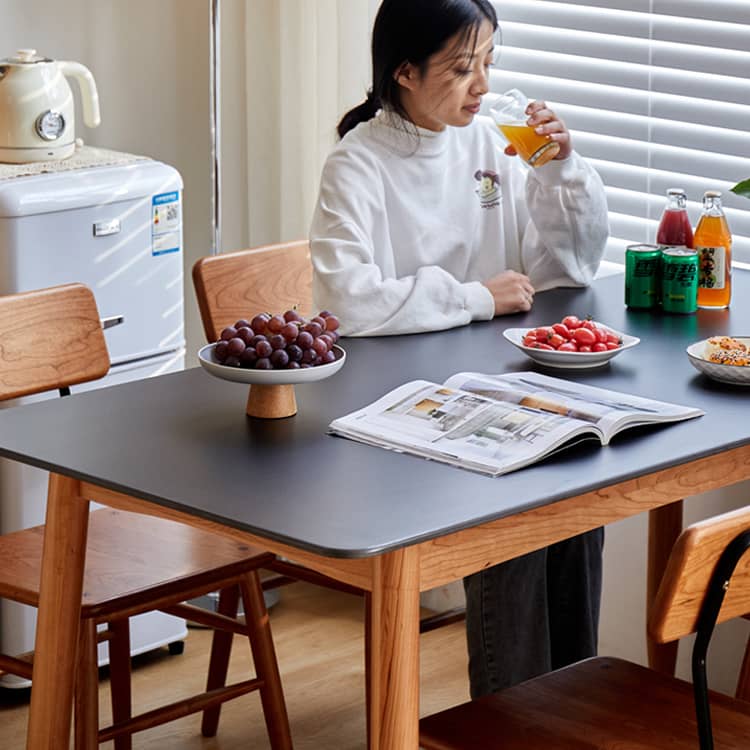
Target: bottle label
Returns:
[[711, 267]]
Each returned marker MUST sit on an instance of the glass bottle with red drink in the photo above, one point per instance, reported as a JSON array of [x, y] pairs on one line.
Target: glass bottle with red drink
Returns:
[[674, 228]]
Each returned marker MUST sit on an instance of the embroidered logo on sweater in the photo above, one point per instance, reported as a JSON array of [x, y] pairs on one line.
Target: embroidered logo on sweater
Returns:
[[489, 188]]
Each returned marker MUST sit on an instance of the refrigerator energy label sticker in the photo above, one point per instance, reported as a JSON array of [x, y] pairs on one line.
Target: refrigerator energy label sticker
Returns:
[[165, 226]]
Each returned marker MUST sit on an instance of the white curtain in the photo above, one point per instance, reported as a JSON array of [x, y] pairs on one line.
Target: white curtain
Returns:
[[307, 62]]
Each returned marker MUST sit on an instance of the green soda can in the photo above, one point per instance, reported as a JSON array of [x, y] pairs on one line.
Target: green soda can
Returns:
[[679, 280], [642, 276]]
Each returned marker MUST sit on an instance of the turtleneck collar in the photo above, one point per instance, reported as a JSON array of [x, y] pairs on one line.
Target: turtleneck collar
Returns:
[[405, 138]]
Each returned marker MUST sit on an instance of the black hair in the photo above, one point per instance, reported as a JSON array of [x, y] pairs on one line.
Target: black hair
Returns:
[[412, 31]]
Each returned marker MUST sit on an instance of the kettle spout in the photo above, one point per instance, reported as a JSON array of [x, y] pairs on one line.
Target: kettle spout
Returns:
[[89, 94]]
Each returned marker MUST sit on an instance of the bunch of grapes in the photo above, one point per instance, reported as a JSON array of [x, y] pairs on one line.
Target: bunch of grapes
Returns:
[[279, 342]]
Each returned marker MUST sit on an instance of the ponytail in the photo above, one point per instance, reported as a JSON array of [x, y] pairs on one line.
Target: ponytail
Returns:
[[361, 113]]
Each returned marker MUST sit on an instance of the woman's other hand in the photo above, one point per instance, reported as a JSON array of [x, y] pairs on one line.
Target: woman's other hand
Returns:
[[512, 292], [546, 122]]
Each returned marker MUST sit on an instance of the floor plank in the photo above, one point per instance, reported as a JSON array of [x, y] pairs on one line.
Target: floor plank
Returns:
[[319, 642]]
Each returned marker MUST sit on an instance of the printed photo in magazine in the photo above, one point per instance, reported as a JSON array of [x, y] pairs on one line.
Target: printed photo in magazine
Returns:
[[498, 423]]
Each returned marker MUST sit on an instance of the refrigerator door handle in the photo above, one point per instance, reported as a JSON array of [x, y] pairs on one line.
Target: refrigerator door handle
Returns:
[[112, 320]]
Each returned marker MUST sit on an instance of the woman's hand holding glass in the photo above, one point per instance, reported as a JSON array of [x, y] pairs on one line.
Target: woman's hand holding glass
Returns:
[[512, 292], [546, 122]]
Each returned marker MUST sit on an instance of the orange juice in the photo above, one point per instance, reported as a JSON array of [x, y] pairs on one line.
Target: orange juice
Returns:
[[533, 148], [713, 243]]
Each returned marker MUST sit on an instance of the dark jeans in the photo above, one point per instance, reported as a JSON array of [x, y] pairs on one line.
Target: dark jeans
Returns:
[[533, 614]]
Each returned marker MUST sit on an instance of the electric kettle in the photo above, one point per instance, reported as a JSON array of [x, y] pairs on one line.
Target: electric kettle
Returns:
[[37, 113]]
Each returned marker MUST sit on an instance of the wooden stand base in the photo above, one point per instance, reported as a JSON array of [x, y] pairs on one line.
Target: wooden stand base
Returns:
[[271, 401]]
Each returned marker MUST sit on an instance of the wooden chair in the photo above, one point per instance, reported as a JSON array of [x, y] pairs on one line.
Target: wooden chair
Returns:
[[605, 702], [52, 339], [231, 286]]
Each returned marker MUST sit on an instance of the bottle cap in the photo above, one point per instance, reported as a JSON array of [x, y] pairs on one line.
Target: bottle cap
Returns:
[[712, 194], [676, 191]]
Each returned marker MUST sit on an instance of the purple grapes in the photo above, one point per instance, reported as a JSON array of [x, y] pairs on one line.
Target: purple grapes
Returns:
[[279, 342]]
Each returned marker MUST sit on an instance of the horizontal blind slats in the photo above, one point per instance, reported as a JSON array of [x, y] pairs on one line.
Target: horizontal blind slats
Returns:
[[731, 11], [721, 76], [656, 94]]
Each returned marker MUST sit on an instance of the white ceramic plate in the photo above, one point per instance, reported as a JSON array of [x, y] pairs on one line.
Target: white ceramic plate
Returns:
[[269, 377], [569, 360], [734, 374]]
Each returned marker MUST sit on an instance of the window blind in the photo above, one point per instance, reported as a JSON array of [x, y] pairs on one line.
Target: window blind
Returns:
[[656, 94]]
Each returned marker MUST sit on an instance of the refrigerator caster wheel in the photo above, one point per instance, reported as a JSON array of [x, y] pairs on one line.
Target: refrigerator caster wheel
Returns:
[[176, 648]]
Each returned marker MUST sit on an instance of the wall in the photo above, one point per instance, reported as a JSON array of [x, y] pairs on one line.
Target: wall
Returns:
[[150, 61]]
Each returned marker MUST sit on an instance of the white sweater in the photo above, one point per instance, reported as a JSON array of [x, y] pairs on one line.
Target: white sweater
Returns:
[[405, 229]]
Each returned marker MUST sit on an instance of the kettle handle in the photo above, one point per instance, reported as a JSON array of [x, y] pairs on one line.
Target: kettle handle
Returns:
[[89, 95]]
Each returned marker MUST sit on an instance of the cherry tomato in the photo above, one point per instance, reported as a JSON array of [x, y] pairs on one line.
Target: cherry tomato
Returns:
[[613, 339], [571, 322], [589, 324], [539, 345], [568, 346], [555, 340], [584, 348], [612, 345], [528, 340], [562, 330], [599, 346], [543, 334], [584, 337]]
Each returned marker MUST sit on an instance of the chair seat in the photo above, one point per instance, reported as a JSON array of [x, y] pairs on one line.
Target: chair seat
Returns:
[[596, 704], [120, 571]]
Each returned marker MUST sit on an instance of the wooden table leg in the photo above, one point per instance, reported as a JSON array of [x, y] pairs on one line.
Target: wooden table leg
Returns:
[[56, 646], [664, 526], [394, 652]]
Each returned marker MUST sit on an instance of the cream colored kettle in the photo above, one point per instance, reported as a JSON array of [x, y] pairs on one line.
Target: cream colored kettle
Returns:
[[37, 112]]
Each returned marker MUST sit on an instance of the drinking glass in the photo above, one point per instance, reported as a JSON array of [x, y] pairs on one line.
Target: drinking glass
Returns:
[[509, 114]]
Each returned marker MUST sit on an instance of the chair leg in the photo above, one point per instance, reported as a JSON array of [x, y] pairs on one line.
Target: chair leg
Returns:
[[266, 666], [743, 682], [87, 689], [221, 647], [120, 678]]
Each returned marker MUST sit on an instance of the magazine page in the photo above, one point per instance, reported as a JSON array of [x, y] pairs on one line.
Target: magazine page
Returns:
[[465, 429], [608, 411]]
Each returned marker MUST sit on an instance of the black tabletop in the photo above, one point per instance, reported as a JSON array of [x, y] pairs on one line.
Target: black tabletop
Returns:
[[183, 440]]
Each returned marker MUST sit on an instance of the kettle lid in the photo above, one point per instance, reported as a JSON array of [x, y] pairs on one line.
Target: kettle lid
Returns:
[[26, 56]]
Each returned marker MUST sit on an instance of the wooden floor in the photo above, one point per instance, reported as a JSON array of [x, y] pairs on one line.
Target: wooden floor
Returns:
[[319, 643]]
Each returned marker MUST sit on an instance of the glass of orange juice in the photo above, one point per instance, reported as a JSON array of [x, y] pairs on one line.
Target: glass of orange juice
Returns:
[[509, 114]]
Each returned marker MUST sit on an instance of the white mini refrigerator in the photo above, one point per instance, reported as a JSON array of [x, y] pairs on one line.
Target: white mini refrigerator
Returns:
[[117, 229]]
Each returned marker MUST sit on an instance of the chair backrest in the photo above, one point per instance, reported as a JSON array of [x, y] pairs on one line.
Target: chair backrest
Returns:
[[694, 558], [50, 338], [236, 285]]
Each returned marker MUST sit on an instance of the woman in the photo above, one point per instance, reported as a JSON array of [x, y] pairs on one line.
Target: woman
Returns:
[[423, 223]]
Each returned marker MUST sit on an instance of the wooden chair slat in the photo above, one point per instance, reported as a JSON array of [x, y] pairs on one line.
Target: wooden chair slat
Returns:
[[675, 610], [231, 286], [50, 338]]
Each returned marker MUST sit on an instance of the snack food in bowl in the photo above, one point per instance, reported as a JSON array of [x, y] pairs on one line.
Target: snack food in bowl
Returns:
[[726, 350], [722, 358]]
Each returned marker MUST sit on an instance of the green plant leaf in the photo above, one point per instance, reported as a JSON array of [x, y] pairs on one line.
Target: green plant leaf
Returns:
[[742, 188]]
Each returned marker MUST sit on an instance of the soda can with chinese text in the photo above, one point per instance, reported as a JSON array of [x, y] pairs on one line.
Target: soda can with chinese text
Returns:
[[642, 276], [679, 280]]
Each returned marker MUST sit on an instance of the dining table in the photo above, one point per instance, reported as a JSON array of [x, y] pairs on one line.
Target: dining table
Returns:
[[181, 446]]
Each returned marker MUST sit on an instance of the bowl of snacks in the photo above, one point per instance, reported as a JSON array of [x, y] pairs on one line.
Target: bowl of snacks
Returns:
[[722, 358], [571, 343], [273, 353]]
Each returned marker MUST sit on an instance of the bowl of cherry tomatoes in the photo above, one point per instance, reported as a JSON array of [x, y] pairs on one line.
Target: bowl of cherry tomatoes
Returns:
[[571, 343]]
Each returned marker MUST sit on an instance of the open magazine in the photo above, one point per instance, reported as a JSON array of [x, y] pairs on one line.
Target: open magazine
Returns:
[[498, 423]]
